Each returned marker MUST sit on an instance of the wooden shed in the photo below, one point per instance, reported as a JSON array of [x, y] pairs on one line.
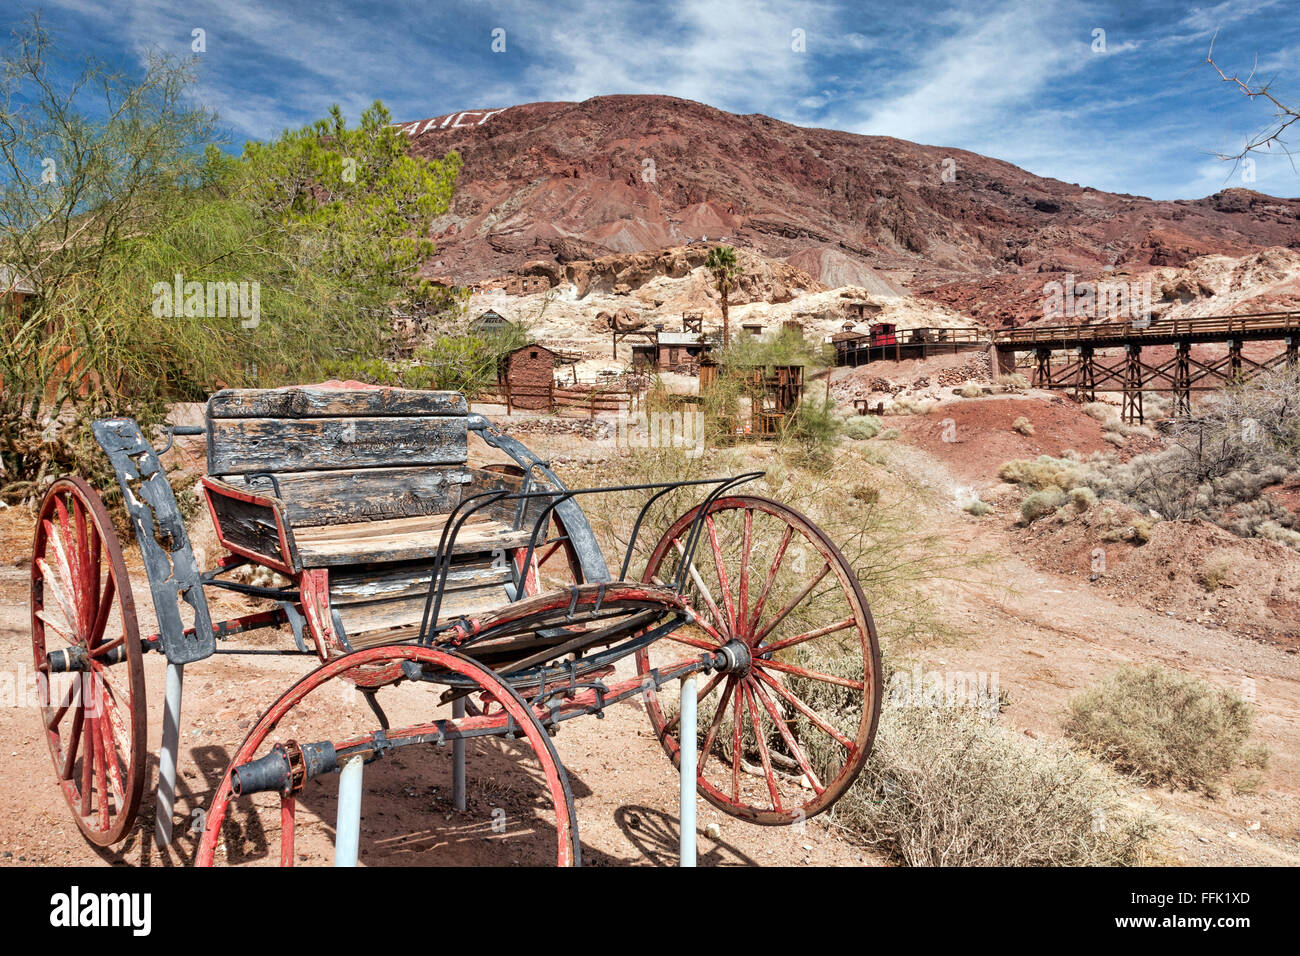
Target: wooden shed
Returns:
[[528, 373], [489, 321], [679, 349]]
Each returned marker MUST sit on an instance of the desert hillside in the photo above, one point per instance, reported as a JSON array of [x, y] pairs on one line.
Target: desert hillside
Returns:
[[625, 174]]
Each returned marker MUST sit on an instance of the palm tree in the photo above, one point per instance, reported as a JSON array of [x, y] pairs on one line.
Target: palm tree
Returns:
[[721, 262]]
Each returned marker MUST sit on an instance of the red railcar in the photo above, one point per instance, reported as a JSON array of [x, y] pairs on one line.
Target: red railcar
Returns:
[[882, 333]]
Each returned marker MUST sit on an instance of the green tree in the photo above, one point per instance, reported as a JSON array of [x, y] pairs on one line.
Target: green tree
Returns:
[[324, 227], [721, 262]]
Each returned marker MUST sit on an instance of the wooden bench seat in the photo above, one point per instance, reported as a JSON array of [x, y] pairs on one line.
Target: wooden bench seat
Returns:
[[400, 539], [347, 488]]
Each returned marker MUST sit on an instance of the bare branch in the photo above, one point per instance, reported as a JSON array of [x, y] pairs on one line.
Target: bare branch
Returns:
[[1284, 116]]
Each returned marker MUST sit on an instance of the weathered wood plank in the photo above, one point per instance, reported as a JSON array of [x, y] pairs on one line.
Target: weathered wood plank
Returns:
[[364, 494], [381, 615], [388, 583], [307, 402], [241, 446], [404, 539], [249, 526]]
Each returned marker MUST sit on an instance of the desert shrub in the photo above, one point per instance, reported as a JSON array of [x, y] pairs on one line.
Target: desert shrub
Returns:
[[1275, 532], [970, 390], [861, 427], [977, 508], [1023, 425], [866, 494], [945, 786], [1102, 412], [1112, 423], [1041, 472], [813, 430], [1180, 483], [889, 434], [1012, 381], [1156, 406], [1215, 573], [1114, 437], [1081, 499], [1165, 727], [1040, 504], [902, 405]]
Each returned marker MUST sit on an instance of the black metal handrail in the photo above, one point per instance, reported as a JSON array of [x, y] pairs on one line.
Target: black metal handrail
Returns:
[[473, 503]]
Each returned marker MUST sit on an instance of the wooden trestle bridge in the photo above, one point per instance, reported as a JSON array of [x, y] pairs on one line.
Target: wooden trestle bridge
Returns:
[[1180, 374]]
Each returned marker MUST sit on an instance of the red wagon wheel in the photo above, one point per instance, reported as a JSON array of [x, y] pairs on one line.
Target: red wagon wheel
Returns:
[[509, 705], [93, 702], [786, 735]]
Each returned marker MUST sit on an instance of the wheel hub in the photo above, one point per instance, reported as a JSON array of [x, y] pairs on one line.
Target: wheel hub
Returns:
[[737, 656]]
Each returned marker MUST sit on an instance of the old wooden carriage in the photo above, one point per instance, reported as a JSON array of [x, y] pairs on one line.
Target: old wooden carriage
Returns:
[[401, 563]]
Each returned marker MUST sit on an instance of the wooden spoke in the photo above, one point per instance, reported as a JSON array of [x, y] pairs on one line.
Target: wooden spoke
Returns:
[[102, 612], [704, 590], [793, 603], [288, 812], [60, 598], [87, 761], [56, 625], [721, 566], [762, 748], [718, 714], [813, 717], [771, 578], [746, 549], [678, 638], [806, 636], [783, 729], [74, 739], [53, 721], [101, 774], [810, 674], [737, 741]]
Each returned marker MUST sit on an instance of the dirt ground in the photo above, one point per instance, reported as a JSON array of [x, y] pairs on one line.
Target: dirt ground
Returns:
[[1045, 628]]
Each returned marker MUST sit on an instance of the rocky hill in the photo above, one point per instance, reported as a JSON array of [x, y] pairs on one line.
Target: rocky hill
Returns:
[[560, 183]]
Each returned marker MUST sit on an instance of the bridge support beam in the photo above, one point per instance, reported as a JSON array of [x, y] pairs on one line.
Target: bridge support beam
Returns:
[[1292, 351], [1085, 385], [1234, 360], [1042, 368], [1002, 361], [1131, 410], [1183, 380]]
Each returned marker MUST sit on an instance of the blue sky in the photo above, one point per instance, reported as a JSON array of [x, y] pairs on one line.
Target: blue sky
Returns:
[[1016, 79]]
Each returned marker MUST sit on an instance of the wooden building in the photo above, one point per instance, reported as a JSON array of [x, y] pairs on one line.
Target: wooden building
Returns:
[[674, 349], [489, 321]]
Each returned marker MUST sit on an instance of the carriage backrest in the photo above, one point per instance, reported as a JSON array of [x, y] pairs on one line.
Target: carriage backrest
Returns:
[[342, 454]]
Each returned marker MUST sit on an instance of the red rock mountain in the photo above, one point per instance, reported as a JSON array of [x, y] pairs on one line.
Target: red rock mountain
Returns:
[[622, 174]]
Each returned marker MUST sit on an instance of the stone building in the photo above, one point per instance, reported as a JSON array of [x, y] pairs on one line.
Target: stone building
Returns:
[[528, 373]]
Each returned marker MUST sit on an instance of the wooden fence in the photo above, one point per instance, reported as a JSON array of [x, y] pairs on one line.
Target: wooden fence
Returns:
[[591, 399]]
